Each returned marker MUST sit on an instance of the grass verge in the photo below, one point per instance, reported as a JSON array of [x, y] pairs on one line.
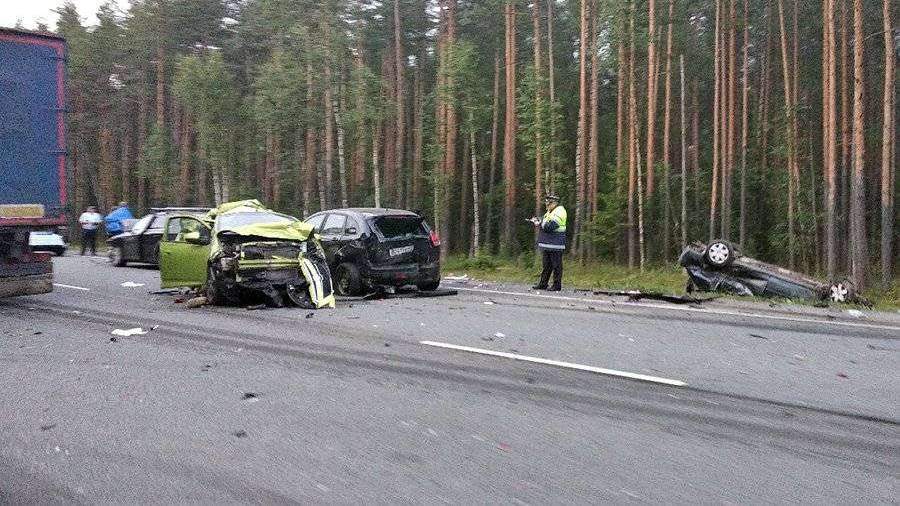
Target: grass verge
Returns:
[[610, 276]]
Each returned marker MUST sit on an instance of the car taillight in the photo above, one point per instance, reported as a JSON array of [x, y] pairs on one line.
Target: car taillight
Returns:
[[435, 239]]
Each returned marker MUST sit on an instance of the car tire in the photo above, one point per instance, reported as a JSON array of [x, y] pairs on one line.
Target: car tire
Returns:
[[298, 295], [842, 292], [116, 257], [214, 295], [429, 286], [347, 280], [719, 254]]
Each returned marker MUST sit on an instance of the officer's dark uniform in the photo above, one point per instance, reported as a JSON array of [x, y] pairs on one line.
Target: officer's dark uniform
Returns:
[[552, 242]]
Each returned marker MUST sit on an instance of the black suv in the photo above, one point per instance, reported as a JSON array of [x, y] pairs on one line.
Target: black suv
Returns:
[[371, 248], [141, 241]]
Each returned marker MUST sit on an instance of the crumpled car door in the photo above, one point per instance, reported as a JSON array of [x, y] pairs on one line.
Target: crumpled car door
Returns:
[[184, 252]]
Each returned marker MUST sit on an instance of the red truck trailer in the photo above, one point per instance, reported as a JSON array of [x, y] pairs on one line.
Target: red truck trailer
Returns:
[[32, 155]]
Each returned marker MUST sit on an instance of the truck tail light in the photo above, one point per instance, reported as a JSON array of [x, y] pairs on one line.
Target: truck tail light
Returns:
[[435, 239]]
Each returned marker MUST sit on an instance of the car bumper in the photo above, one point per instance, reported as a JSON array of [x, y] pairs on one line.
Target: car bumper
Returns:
[[401, 275]]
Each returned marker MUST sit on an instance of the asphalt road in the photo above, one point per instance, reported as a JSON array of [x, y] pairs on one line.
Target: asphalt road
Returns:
[[349, 406]]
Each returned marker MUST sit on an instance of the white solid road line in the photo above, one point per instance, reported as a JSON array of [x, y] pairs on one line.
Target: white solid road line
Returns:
[[83, 289], [688, 309], [557, 363]]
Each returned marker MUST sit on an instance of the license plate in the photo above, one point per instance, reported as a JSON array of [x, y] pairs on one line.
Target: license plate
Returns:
[[401, 251]]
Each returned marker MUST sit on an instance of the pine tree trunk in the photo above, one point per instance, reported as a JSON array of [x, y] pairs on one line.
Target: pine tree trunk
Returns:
[[538, 98], [476, 199], [581, 147], [462, 226], [858, 246], [887, 151], [125, 158], [310, 159], [684, 230], [632, 146], [418, 137], [550, 163], [492, 178], [728, 167], [791, 141], [376, 170], [695, 152], [328, 170], [509, 134], [400, 113], [590, 204], [143, 112], [667, 113], [651, 97], [745, 125], [717, 92], [846, 136], [342, 168], [452, 131], [829, 120], [184, 179]]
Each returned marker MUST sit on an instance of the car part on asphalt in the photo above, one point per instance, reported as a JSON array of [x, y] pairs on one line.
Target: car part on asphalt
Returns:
[[637, 295], [242, 250], [720, 267], [375, 249]]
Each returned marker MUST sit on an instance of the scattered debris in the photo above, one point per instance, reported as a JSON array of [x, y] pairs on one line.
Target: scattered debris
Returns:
[[137, 331], [256, 307], [464, 277], [856, 313], [239, 433], [881, 348], [196, 302], [114, 339], [637, 295], [37, 333], [759, 336], [48, 426], [529, 380], [487, 338], [167, 291], [842, 375], [206, 367], [387, 345], [488, 303], [250, 397], [132, 284], [310, 315], [503, 446], [500, 334]]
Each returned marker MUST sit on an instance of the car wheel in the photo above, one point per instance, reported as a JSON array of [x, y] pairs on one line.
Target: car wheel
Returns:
[[116, 257], [213, 289], [842, 292], [719, 254], [429, 286], [347, 280], [60, 252], [299, 296]]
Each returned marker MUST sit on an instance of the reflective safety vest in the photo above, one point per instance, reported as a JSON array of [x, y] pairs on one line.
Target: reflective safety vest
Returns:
[[552, 233]]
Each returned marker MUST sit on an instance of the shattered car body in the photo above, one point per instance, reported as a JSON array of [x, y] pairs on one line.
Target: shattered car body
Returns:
[[720, 267], [242, 248]]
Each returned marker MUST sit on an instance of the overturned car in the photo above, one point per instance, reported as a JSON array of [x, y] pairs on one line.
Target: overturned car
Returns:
[[720, 267], [242, 249]]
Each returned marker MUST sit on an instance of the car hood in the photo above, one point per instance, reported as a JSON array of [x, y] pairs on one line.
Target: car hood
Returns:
[[293, 231]]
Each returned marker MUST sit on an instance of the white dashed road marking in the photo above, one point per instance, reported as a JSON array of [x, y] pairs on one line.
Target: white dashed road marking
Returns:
[[557, 363], [83, 289]]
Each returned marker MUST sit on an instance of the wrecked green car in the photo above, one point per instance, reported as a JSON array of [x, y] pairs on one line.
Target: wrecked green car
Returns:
[[244, 250]]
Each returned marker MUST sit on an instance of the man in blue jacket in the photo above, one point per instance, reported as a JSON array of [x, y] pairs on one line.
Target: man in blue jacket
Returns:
[[115, 218], [552, 242]]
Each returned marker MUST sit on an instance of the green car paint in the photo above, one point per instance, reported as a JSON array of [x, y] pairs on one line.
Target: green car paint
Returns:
[[191, 243]]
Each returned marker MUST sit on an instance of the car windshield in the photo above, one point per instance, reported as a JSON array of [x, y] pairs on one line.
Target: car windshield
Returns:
[[229, 221], [401, 227]]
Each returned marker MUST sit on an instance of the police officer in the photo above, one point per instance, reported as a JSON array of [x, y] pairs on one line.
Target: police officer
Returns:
[[552, 242]]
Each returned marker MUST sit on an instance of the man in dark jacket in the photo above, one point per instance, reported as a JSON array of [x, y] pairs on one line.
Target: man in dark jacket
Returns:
[[552, 242]]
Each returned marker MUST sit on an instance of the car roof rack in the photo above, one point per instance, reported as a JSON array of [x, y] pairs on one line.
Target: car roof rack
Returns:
[[180, 209]]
